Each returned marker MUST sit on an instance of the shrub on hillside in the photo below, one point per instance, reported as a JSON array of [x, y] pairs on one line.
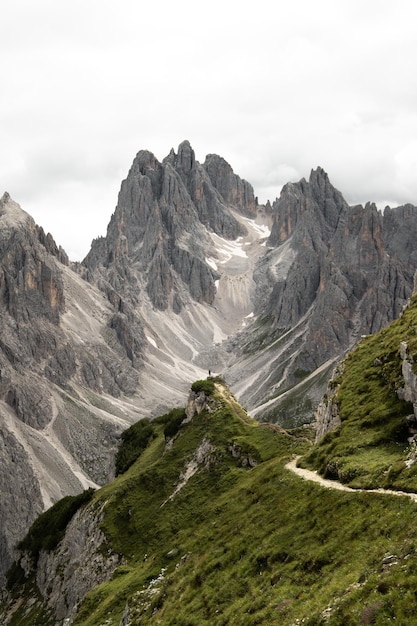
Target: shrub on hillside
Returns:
[[203, 385], [134, 440], [49, 528], [172, 421]]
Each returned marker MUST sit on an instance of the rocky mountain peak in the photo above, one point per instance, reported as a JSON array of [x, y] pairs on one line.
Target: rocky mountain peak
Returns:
[[184, 160], [162, 222], [12, 215], [186, 157], [236, 191], [182, 282], [316, 204], [146, 165], [4, 199], [319, 179], [30, 280]]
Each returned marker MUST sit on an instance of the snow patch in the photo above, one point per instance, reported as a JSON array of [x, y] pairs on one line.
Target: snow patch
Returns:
[[211, 262], [261, 229], [151, 341], [228, 249]]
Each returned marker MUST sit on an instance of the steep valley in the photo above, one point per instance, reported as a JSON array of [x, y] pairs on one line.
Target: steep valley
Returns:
[[208, 524], [193, 277]]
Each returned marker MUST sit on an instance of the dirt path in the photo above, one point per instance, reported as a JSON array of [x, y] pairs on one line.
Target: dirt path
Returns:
[[334, 484]]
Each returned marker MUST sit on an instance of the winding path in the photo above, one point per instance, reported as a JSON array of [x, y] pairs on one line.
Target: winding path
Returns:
[[334, 484]]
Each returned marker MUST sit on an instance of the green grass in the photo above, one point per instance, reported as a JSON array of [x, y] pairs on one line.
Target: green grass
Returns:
[[268, 547], [48, 529], [203, 385], [134, 441], [247, 545], [371, 446]]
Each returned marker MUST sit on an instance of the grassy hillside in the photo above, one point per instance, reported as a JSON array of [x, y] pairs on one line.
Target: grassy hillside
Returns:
[[371, 448], [244, 541]]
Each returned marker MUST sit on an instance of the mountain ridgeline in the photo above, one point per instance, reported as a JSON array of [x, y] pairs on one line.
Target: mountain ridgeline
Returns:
[[161, 225], [206, 524], [193, 275]]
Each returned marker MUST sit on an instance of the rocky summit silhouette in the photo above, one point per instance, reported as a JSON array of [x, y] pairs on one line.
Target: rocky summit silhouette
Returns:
[[193, 275]]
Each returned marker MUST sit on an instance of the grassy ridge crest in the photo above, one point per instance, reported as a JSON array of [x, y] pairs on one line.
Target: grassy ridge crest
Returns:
[[372, 448], [244, 542]]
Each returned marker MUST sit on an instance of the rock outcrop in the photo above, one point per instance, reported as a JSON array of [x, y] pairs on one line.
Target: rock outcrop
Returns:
[[408, 391], [80, 563], [327, 416], [161, 223], [65, 574], [188, 279], [331, 274], [58, 336], [197, 402]]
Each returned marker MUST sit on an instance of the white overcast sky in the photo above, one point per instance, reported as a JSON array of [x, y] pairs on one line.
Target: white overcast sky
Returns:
[[276, 88]]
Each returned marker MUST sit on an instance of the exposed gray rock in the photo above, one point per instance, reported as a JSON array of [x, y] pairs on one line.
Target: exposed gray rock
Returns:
[[233, 189], [332, 273], [245, 459], [408, 391], [30, 280], [197, 402], [205, 191], [157, 236], [21, 500], [342, 267], [125, 621], [327, 417], [66, 574]]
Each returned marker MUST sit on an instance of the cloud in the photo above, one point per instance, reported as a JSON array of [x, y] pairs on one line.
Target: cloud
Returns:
[[275, 88]]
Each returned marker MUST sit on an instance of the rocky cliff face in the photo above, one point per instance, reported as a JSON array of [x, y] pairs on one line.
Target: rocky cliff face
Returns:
[[346, 262], [59, 336], [332, 273], [65, 574], [160, 224], [79, 361], [327, 416], [189, 278]]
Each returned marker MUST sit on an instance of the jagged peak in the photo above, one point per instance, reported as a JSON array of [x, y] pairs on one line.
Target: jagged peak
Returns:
[[184, 145], [217, 159], [371, 206], [320, 184], [5, 198], [12, 214], [319, 174], [14, 217], [315, 199], [143, 161], [184, 159]]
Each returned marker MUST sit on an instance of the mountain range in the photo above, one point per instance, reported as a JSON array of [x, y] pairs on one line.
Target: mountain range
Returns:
[[213, 520], [194, 276]]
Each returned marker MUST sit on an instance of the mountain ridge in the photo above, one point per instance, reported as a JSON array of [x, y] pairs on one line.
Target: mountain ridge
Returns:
[[209, 526], [193, 275]]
